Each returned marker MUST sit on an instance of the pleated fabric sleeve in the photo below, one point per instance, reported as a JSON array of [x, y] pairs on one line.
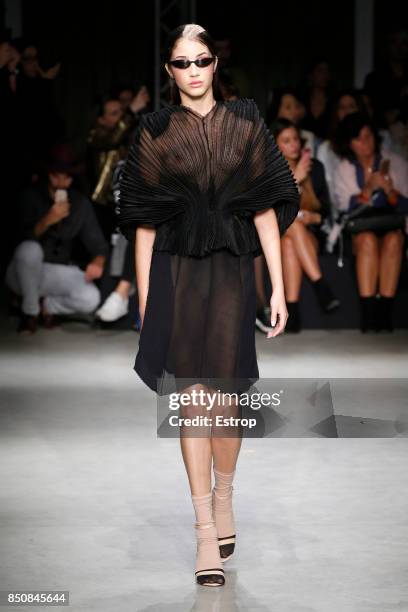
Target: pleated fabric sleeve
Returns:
[[266, 177], [145, 196]]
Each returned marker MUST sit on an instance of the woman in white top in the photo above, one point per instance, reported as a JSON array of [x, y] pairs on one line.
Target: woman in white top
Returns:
[[348, 101], [368, 177], [286, 104]]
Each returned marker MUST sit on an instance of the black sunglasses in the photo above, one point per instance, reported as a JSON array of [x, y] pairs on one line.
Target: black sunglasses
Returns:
[[202, 62]]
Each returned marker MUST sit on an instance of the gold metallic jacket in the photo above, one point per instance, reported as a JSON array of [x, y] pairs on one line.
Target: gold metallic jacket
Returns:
[[106, 147]]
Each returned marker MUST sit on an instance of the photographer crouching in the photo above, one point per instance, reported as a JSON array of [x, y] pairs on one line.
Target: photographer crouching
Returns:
[[52, 216]]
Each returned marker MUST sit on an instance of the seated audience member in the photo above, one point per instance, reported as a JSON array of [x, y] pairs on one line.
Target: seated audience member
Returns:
[[126, 93], [317, 93], [116, 304], [348, 101], [286, 104], [40, 124], [366, 177], [303, 239], [383, 126], [108, 143], [53, 214], [387, 84]]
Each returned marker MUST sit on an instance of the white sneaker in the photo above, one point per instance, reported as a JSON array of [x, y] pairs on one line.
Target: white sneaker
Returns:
[[114, 307]]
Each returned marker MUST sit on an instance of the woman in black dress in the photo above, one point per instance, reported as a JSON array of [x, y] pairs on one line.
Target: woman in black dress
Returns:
[[305, 238], [204, 190]]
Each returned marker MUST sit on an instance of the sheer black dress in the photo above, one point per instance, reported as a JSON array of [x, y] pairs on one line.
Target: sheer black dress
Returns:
[[199, 180]]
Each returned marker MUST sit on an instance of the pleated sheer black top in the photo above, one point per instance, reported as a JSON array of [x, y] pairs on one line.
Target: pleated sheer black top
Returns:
[[199, 179]]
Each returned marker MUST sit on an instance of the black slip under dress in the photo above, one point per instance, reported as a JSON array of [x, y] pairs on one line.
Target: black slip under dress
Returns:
[[199, 322]]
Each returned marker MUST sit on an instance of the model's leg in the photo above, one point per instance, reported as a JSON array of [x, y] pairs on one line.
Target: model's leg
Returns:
[[225, 453], [196, 451], [226, 443], [197, 458]]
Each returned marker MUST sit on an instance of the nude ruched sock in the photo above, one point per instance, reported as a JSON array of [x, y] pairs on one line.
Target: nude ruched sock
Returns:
[[223, 512], [209, 571]]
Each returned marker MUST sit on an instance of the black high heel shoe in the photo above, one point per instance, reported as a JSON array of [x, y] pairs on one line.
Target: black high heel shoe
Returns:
[[212, 576]]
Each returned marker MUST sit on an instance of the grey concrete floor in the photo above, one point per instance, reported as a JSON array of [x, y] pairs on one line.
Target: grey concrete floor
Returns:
[[93, 502]]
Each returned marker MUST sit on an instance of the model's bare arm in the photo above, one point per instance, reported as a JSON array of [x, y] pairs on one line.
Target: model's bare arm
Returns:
[[268, 231], [145, 236]]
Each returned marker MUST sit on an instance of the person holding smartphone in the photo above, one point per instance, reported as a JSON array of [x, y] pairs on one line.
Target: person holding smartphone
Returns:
[[304, 239], [42, 271], [370, 176]]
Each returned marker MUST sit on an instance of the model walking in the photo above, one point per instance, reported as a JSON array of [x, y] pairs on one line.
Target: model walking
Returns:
[[204, 190]]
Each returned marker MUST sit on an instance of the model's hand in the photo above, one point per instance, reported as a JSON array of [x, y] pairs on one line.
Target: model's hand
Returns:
[[279, 313]]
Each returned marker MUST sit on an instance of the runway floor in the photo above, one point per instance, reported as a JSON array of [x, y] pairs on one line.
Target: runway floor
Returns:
[[93, 502]]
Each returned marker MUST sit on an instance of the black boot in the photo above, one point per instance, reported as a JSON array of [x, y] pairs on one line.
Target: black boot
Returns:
[[327, 300], [293, 324], [368, 308], [384, 313]]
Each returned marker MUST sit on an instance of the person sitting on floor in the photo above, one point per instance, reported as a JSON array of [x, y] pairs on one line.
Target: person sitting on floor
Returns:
[[53, 214]]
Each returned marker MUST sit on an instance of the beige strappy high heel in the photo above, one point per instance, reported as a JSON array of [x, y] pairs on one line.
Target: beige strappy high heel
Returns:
[[224, 514], [209, 571]]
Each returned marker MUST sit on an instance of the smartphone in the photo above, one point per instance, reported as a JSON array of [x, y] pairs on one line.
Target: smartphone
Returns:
[[61, 195]]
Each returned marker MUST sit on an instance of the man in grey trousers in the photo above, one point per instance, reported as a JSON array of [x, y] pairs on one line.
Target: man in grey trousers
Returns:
[[53, 215]]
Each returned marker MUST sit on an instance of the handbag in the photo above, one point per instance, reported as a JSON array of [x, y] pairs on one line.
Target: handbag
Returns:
[[363, 218], [366, 218]]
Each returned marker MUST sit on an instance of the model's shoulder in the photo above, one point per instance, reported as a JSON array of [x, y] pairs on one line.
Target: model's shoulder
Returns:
[[243, 107], [156, 121]]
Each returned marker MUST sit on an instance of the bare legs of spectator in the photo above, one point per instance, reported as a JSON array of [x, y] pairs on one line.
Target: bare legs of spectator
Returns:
[[300, 249], [378, 267]]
